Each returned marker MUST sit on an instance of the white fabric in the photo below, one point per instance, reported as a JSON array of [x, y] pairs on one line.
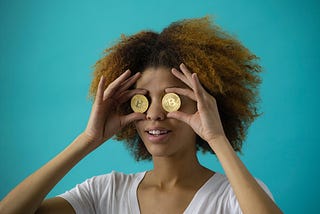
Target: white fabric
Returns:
[[117, 193]]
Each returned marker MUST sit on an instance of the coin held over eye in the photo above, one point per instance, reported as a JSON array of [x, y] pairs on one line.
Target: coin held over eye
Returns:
[[139, 103], [171, 102]]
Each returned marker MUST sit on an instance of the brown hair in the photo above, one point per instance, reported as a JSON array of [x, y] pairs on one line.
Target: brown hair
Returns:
[[226, 69]]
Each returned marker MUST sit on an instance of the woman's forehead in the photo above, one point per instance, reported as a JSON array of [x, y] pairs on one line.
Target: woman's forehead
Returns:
[[158, 77]]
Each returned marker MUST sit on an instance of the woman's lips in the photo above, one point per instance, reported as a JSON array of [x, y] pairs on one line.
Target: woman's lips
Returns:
[[157, 135]]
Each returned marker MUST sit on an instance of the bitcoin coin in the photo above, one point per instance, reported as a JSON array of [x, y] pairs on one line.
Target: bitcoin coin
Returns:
[[139, 103], [171, 102]]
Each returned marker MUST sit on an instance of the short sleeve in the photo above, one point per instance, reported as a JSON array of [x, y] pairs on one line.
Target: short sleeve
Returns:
[[86, 197], [233, 203], [265, 188]]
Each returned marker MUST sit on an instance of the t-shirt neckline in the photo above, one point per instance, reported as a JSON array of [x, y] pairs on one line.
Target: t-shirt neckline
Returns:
[[140, 176]]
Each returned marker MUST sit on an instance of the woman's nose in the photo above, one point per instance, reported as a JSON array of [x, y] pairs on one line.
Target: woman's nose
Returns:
[[155, 111]]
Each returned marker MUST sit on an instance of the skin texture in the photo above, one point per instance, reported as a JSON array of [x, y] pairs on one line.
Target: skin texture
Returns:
[[177, 174], [169, 144], [103, 123], [168, 187], [227, 70], [214, 117]]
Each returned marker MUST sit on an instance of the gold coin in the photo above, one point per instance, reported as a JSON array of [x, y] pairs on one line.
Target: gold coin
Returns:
[[171, 102], [139, 103]]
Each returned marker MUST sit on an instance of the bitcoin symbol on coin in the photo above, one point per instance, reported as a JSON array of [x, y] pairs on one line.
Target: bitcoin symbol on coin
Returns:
[[171, 102], [139, 103]]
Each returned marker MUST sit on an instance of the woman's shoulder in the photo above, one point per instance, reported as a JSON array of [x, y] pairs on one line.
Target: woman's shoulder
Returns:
[[217, 183], [95, 191], [217, 196], [111, 182], [220, 183], [116, 178]]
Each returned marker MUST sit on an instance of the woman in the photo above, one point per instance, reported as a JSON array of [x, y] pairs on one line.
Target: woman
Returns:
[[216, 88]]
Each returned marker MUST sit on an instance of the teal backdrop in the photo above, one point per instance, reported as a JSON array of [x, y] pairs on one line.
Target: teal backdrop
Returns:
[[48, 49]]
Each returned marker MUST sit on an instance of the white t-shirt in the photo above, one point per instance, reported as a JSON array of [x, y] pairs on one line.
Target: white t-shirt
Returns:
[[117, 193]]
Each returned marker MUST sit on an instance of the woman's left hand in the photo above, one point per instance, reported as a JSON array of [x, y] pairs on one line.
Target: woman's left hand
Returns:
[[206, 120]]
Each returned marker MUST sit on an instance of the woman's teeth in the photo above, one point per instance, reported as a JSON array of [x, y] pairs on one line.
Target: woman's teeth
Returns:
[[157, 132]]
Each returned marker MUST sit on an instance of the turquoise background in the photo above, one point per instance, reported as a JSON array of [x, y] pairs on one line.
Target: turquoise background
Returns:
[[48, 49]]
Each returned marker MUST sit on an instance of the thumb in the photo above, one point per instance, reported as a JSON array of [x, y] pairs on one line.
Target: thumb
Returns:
[[179, 116], [132, 117]]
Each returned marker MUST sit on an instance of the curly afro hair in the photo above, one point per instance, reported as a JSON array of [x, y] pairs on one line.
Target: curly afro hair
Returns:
[[226, 69]]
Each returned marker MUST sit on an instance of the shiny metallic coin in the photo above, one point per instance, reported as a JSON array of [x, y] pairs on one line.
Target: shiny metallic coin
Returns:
[[171, 102], [139, 103]]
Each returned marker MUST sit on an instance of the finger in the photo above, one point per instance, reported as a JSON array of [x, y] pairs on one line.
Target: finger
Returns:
[[180, 76], [182, 91], [126, 95], [99, 94], [126, 119], [122, 77], [113, 86], [124, 86], [186, 72], [184, 117], [198, 89], [130, 81], [204, 99]]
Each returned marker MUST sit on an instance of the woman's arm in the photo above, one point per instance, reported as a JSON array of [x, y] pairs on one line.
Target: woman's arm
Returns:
[[103, 123], [207, 124], [252, 198], [29, 194]]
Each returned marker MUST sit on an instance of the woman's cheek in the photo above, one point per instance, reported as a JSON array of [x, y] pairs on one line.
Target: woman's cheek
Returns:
[[188, 106], [137, 127]]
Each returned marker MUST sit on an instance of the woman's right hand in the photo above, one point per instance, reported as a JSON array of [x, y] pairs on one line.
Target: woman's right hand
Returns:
[[104, 121]]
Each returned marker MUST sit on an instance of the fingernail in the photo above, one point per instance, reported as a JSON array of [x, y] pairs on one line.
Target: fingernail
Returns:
[[195, 76]]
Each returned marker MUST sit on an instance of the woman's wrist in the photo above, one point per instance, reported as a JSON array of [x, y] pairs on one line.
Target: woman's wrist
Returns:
[[88, 141], [83, 144], [218, 141]]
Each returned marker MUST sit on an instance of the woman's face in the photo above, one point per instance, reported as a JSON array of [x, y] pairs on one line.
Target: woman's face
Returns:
[[176, 138]]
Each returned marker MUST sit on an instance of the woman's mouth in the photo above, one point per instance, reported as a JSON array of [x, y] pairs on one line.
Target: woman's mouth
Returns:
[[157, 132], [157, 135]]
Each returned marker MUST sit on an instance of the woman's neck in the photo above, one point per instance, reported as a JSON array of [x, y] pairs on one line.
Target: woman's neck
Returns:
[[173, 171]]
